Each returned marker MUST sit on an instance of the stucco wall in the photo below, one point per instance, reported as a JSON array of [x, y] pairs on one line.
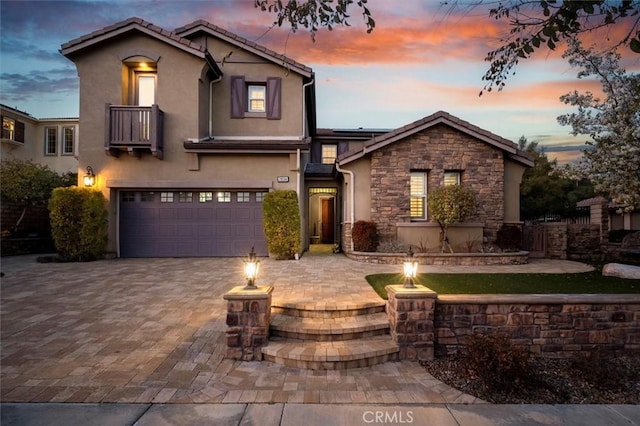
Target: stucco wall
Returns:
[[182, 95]]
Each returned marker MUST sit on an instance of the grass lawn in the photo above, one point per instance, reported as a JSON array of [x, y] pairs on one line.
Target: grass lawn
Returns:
[[587, 282]]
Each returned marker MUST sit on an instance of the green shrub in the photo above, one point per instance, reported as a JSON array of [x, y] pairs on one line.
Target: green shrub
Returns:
[[78, 223], [365, 236], [281, 220], [495, 361], [509, 237]]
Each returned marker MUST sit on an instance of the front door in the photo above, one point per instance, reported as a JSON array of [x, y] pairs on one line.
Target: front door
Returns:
[[328, 224]]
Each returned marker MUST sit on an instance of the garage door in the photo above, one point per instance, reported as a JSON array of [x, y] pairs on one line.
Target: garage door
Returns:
[[191, 223]]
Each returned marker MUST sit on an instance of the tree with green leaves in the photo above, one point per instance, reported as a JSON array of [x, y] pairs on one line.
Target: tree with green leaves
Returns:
[[535, 24], [612, 122], [27, 184], [451, 204], [544, 190]]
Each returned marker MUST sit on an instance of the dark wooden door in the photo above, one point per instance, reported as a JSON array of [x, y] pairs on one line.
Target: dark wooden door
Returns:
[[535, 240], [327, 221]]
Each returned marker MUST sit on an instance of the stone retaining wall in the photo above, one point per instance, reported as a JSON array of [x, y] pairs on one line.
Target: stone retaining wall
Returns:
[[467, 259], [554, 326]]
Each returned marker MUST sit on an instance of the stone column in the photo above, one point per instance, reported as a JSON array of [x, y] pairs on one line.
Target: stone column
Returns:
[[411, 313], [248, 318]]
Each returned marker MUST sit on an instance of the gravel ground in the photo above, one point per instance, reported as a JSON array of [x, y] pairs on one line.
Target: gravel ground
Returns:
[[551, 381]]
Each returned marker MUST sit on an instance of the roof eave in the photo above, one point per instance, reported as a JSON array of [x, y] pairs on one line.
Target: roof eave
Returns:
[[287, 63], [84, 43]]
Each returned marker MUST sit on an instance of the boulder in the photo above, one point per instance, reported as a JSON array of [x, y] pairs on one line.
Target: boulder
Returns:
[[621, 270]]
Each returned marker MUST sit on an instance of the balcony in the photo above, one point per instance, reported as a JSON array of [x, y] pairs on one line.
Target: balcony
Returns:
[[133, 129]]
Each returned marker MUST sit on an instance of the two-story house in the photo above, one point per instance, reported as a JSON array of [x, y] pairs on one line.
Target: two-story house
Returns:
[[187, 130], [52, 142]]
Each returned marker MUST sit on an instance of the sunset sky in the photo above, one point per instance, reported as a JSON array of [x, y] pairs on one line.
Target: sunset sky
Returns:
[[421, 58]]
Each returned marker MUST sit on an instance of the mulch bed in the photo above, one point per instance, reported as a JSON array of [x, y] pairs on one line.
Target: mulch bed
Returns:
[[551, 381]]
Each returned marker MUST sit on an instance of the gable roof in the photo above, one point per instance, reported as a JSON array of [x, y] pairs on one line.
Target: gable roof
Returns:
[[136, 24], [440, 117], [241, 42]]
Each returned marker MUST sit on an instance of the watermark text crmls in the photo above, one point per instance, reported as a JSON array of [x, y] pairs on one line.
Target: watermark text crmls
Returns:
[[395, 417]]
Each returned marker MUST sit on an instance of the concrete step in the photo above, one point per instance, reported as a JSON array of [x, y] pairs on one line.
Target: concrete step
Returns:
[[331, 355], [328, 309], [329, 329]]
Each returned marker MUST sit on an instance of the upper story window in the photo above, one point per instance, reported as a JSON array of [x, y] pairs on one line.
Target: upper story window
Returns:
[[145, 88], [8, 128], [68, 140], [51, 141], [451, 178], [12, 130], [329, 153], [418, 191], [257, 99]]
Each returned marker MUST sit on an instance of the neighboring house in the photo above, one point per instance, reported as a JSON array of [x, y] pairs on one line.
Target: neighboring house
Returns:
[[186, 132], [52, 142], [609, 216]]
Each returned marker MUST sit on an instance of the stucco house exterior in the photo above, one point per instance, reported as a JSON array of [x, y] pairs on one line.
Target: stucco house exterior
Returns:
[[48, 141], [187, 130]]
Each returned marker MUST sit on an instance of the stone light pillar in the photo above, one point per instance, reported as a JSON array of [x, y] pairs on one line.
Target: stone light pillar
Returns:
[[411, 312], [248, 318]]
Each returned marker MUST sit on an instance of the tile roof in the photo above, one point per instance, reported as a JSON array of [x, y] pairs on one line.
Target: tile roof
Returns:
[[202, 25], [440, 117], [127, 25]]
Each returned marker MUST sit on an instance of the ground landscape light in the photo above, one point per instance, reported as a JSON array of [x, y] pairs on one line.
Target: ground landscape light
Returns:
[[410, 270], [251, 267], [89, 177]]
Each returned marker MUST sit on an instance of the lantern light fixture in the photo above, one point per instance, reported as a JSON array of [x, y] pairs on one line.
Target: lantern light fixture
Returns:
[[410, 270], [89, 177], [251, 267]]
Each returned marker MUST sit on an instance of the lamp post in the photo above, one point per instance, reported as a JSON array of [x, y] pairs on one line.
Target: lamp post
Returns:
[[410, 270], [251, 267], [89, 178]]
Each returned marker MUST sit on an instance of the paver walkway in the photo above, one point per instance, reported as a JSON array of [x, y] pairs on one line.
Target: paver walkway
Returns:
[[152, 331]]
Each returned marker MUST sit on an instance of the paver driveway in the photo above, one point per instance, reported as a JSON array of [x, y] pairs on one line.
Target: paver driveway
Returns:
[[152, 330]]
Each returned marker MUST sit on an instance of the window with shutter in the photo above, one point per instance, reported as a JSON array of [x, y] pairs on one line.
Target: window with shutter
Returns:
[[256, 99], [19, 136]]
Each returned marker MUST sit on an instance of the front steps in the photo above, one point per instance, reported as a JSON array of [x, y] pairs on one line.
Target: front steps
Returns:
[[330, 336]]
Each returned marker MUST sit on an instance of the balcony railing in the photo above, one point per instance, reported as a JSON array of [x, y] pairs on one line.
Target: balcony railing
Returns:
[[134, 129]]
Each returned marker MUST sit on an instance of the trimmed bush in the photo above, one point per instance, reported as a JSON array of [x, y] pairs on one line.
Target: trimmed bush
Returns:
[[281, 221], [78, 223], [509, 237], [365, 236]]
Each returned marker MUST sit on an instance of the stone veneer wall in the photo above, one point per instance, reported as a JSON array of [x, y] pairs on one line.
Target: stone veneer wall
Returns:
[[583, 242], [436, 150], [467, 259], [554, 326]]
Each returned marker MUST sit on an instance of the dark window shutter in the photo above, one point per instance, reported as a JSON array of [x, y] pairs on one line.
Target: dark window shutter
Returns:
[[238, 96], [19, 136], [274, 85], [343, 146]]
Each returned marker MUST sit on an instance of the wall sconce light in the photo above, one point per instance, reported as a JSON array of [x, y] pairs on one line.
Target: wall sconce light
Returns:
[[410, 270], [251, 267], [89, 177]]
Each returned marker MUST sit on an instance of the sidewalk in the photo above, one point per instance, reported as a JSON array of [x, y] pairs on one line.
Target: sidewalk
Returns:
[[316, 414]]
